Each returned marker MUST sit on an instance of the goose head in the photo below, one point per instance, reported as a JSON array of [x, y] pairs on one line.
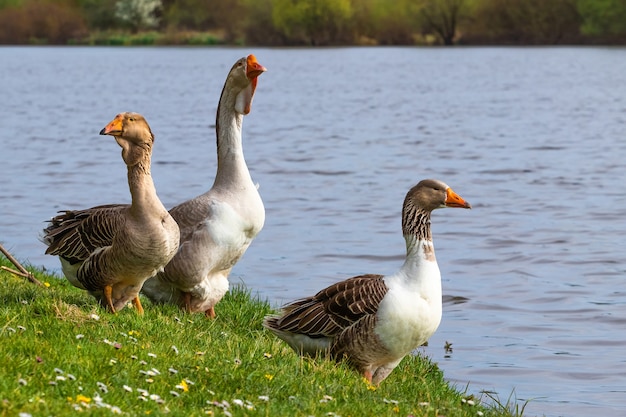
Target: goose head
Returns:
[[431, 194], [132, 132], [242, 81], [421, 200]]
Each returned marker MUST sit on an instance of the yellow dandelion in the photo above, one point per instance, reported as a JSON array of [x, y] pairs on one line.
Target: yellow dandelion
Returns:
[[269, 377], [46, 284], [396, 409], [82, 399], [184, 385]]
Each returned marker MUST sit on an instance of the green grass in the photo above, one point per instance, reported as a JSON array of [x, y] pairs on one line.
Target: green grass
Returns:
[[61, 353], [113, 38]]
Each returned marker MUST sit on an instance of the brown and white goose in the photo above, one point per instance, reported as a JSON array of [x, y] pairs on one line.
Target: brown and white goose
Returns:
[[374, 320], [112, 250], [218, 226]]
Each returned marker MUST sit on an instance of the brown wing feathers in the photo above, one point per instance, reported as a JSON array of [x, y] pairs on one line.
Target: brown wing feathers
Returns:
[[75, 234], [333, 309]]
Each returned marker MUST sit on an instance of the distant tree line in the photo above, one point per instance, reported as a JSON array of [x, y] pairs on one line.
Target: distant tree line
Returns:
[[318, 22]]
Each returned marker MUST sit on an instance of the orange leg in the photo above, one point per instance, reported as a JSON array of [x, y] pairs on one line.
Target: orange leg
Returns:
[[210, 313], [137, 304], [108, 293]]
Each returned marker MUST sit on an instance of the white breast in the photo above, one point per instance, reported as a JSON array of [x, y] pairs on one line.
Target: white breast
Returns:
[[229, 234], [411, 310]]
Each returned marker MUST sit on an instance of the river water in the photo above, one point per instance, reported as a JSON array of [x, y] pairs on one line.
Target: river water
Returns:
[[534, 138]]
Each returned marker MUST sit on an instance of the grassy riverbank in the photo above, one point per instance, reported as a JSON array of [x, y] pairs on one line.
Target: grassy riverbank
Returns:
[[62, 353]]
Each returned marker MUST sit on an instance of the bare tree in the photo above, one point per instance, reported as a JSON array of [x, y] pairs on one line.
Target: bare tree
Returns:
[[441, 17]]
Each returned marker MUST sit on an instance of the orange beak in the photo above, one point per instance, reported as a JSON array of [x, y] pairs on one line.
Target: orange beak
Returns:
[[455, 200], [115, 127], [254, 69]]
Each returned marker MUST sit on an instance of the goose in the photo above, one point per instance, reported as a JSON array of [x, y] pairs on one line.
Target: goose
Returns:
[[373, 321], [218, 226], [111, 250]]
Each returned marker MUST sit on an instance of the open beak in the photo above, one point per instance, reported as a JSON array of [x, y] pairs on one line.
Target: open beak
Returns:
[[114, 127], [455, 200], [254, 69]]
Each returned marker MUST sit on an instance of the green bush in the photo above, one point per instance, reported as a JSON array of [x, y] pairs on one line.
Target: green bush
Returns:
[[144, 38]]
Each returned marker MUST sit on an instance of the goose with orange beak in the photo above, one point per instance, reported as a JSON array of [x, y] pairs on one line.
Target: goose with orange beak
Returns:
[[373, 321], [218, 226]]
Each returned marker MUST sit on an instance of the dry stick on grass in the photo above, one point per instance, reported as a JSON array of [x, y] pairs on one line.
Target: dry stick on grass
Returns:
[[22, 271]]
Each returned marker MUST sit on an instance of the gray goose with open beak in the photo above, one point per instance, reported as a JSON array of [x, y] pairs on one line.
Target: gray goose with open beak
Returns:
[[218, 226]]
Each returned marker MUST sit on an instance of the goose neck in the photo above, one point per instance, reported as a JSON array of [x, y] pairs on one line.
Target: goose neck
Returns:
[[416, 223], [142, 189], [417, 235], [231, 165]]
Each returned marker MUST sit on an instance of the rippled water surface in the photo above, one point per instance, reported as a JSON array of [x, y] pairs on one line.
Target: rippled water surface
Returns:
[[535, 139]]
